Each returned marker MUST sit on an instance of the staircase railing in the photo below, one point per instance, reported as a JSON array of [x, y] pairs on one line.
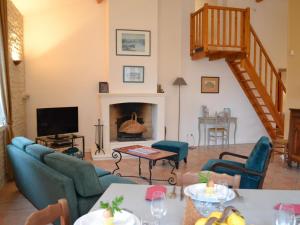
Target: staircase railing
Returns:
[[266, 71], [220, 28]]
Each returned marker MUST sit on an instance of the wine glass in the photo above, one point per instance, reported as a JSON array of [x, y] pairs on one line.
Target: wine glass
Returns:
[[158, 205], [221, 191], [285, 215]]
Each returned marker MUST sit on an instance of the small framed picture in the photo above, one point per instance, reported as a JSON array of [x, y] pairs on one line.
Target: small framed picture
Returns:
[[133, 74], [133, 42], [103, 87], [210, 84]]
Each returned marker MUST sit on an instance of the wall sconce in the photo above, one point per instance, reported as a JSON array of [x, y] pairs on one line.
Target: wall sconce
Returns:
[[15, 49]]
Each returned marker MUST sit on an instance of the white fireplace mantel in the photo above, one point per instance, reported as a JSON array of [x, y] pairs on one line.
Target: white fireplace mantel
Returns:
[[108, 99]]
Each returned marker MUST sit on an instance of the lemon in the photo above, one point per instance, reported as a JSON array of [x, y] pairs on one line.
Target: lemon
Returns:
[[235, 219], [201, 221], [216, 214]]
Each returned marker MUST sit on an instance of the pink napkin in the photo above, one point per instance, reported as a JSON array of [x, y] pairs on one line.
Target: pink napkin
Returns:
[[295, 207], [151, 190]]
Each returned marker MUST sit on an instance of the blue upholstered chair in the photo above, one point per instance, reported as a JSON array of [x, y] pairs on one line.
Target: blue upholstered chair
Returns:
[[252, 172]]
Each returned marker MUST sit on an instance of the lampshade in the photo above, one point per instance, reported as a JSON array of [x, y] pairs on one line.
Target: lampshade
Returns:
[[179, 81]]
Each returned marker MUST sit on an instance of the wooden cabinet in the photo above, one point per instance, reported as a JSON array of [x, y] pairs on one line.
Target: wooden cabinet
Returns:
[[294, 137]]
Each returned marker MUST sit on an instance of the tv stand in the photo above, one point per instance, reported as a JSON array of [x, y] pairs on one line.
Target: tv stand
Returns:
[[59, 136], [63, 142]]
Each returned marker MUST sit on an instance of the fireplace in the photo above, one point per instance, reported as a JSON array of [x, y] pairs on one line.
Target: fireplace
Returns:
[[138, 114], [151, 108]]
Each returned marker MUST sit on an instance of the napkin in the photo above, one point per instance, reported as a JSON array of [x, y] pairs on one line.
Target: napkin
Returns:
[[151, 190], [295, 207]]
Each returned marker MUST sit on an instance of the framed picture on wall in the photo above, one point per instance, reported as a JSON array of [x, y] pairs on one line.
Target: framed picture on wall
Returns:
[[210, 84], [133, 42], [103, 87], [133, 74]]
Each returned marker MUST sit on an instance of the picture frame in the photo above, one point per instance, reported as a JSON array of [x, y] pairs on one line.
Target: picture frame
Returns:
[[133, 74], [133, 42], [103, 87], [210, 84]]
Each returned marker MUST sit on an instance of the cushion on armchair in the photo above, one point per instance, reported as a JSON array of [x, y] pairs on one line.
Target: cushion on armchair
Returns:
[[259, 155], [228, 171]]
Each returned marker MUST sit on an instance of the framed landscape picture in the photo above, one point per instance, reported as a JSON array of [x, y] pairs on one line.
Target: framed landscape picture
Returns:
[[210, 84], [133, 74], [133, 42]]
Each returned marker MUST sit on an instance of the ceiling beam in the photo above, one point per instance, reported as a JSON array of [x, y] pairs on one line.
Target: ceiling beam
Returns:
[[99, 1], [259, 0]]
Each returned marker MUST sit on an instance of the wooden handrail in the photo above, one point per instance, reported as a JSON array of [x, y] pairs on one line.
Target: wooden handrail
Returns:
[[267, 57]]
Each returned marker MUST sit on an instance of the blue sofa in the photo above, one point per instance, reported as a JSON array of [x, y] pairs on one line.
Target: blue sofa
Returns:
[[252, 172], [44, 176]]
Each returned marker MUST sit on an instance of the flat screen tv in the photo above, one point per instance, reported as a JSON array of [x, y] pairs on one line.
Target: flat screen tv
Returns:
[[55, 121]]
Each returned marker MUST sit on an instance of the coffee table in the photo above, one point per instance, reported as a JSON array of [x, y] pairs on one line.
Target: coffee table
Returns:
[[150, 154]]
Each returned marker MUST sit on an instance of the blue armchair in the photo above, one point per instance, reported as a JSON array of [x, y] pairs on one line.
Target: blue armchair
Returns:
[[252, 172]]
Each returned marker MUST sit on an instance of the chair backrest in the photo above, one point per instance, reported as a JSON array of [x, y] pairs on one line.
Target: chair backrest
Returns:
[[259, 157], [189, 178], [50, 214], [222, 120]]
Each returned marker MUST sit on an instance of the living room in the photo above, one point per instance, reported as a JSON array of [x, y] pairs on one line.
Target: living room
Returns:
[[68, 47]]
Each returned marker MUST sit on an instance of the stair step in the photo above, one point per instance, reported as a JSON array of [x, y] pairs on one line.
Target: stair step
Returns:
[[236, 63], [254, 88], [243, 71], [246, 80]]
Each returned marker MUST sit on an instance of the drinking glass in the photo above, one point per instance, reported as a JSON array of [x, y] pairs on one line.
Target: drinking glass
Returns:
[[222, 192], [158, 205], [285, 215]]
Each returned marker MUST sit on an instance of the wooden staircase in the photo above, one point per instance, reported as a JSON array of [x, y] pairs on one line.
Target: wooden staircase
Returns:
[[225, 33]]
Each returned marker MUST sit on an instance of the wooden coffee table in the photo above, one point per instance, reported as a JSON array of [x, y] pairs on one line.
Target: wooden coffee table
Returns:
[[153, 156]]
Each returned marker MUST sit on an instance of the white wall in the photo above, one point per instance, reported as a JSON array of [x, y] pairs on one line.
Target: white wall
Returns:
[[231, 94], [66, 57], [138, 15], [64, 61]]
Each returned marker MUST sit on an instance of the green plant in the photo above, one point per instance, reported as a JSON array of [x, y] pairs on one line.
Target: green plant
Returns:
[[203, 177], [114, 206]]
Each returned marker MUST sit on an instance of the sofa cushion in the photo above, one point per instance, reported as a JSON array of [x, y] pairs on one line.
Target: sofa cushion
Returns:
[[101, 172], [107, 180], [38, 151], [259, 155], [21, 142], [85, 204], [81, 172]]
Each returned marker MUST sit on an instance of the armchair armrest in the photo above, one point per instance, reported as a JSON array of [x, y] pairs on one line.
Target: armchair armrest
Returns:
[[233, 167], [232, 154]]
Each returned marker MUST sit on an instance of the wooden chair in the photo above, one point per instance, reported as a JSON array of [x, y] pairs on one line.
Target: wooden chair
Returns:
[[189, 178], [49, 214], [220, 129]]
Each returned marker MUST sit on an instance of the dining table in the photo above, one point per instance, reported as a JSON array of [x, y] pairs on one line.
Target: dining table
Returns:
[[257, 206]]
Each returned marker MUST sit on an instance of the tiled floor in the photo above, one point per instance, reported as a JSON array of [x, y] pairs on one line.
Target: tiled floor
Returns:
[[14, 208]]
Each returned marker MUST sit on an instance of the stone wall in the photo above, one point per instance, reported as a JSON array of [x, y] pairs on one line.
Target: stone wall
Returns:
[[17, 81]]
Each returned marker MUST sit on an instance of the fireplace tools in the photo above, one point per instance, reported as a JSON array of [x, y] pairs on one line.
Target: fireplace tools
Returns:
[[99, 138]]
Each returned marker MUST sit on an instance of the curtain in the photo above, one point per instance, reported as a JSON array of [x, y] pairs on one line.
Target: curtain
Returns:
[[5, 81]]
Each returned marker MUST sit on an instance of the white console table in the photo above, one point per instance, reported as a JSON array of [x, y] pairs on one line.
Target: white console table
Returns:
[[210, 120]]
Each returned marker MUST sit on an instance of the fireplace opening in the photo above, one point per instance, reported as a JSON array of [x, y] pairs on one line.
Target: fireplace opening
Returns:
[[131, 122]]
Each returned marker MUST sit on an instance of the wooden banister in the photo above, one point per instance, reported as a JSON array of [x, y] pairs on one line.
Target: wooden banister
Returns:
[[219, 27], [258, 41]]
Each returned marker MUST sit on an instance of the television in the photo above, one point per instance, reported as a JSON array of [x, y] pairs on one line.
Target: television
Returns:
[[55, 121]]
